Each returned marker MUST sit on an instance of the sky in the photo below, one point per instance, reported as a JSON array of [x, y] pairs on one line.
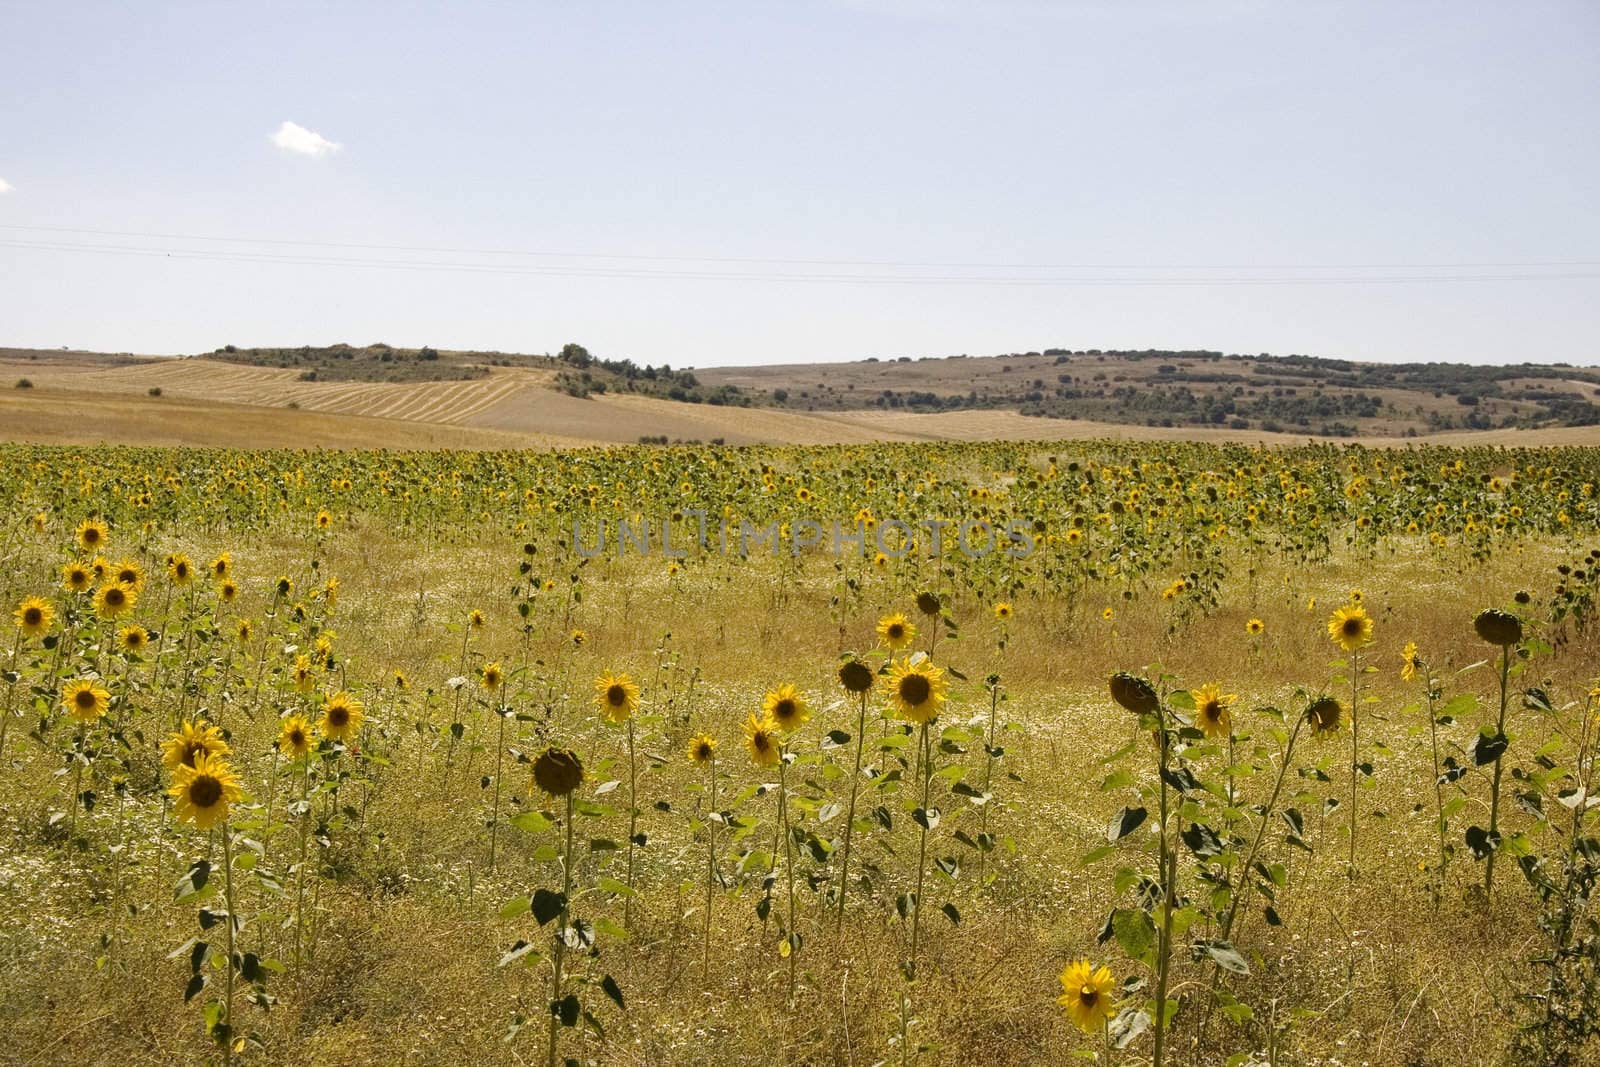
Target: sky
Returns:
[[708, 184]]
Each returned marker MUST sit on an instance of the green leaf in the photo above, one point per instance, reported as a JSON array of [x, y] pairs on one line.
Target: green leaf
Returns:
[[1135, 933], [533, 822], [547, 905], [515, 906], [1226, 956], [1125, 822]]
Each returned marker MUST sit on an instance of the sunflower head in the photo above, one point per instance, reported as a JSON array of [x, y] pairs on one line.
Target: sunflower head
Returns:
[[113, 600], [222, 566], [558, 771], [1350, 627], [855, 676], [928, 604], [1086, 995], [1255, 627], [34, 616], [491, 676], [341, 716], [1134, 693], [127, 572], [1498, 627], [1410, 662], [617, 697], [244, 629], [294, 736], [786, 708], [1325, 715], [92, 535], [1211, 710], [578, 638], [133, 638], [180, 568], [192, 740], [84, 700], [896, 631], [476, 619], [76, 577], [203, 792], [285, 585], [227, 592], [1002, 611], [915, 690], [702, 750], [762, 740]]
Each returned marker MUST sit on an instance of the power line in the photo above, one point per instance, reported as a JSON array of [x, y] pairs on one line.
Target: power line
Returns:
[[781, 261], [569, 271]]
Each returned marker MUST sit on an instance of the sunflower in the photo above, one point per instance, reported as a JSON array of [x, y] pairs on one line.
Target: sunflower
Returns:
[[113, 600], [244, 629], [915, 690], [1002, 611], [929, 605], [855, 675], [1350, 627], [578, 637], [476, 619], [1086, 995], [294, 736], [617, 697], [221, 567], [1211, 710], [193, 740], [180, 568], [324, 520], [227, 592], [34, 616], [1107, 614], [285, 585], [558, 771], [896, 631], [92, 535], [77, 577], [203, 792], [305, 678], [1325, 715], [786, 708], [491, 676], [127, 572], [84, 700], [1410, 662], [400, 680], [761, 738], [1255, 627], [341, 716], [702, 749], [133, 638]]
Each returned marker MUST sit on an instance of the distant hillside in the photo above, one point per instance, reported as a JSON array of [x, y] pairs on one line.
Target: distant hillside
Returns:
[[1175, 389]]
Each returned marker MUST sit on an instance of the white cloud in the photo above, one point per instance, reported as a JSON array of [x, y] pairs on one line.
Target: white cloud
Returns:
[[5, 187], [292, 137]]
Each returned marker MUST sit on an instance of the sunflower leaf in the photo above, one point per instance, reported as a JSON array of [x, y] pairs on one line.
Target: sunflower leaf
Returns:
[[1125, 822]]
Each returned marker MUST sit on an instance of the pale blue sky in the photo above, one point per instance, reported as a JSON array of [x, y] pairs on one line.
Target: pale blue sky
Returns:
[[1073, 173]]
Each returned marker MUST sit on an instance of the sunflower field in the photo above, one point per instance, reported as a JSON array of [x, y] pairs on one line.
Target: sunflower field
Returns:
[[984, 753]]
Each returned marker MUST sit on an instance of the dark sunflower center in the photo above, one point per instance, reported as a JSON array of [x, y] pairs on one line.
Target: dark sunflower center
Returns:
[[91, 536], [338, 716], [32, 617], [761, 742], [1088, 996], [85, 699], [784, 709], [896, 632], [190, 751], [1212, 710], [205, 791], [616, 696], [128, 577], [703, 751], [297, 737], [114, 597], [135, 640], [1352, 627], [181, 570], [914, 689]]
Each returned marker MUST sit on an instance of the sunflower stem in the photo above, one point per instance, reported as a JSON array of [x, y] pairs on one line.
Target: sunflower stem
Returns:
[[788, 866], [922, 855], [1169, 870], [711, 872], [227, 999], [850, 814], [499, 763], [1494, 787], [561, 937], [1355, 751], [633, 824]]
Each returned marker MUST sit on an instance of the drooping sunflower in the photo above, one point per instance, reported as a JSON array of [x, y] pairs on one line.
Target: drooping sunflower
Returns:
[[1086, 995], [558, 771], [113, 600], [1410, 662], [193, 740], [491, 676], [786, 708], [1350, 627], [203, 792], [341, 716], [929, 605], [294, 736], [1211, 710], [896, 631], [34, 616], [1255, 627], [84, 700], [76, 577], [915, 690], [617, 697], [702, 749], [133, 639], [855, 676], [92, 535], [1325, 715], [761, 738]]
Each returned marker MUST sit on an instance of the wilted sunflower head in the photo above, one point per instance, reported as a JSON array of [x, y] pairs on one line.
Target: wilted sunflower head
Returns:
[[203, 792], [1134, 693], [1325, 715], [558, 771], [702, 749], [34, 616], [190, 742], [896, 631], [915, 690], [855, 675], [617, 697], [1498, 627], [928, 604], [1086, 995]]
